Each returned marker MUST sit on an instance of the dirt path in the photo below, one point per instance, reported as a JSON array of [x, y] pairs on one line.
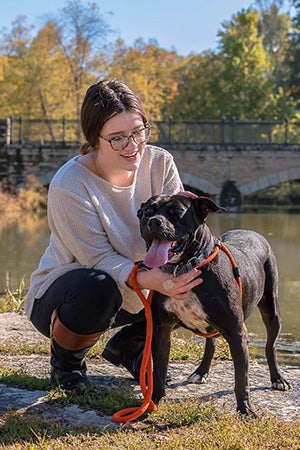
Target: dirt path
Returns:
[[219, 388]]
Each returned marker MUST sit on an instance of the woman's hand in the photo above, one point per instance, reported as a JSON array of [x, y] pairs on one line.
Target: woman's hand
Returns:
[[165, 283]]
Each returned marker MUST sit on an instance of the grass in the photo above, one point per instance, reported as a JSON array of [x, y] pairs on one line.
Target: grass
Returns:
[[14, 299], [181, 425], [186, 425]]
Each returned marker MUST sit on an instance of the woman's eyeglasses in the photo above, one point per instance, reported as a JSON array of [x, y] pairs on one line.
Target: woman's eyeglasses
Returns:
[[118, 143]]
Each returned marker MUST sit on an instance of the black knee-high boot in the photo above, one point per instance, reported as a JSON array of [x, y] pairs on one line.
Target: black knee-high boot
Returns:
[[68, 350], [126, 348]]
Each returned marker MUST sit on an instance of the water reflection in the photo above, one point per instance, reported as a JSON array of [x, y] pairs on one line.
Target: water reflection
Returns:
[[23, 242]]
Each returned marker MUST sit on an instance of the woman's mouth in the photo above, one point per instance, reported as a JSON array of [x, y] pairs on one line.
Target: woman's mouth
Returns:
[[131, 155]]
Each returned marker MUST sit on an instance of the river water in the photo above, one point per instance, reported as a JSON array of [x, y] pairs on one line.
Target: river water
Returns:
[[23, 242]]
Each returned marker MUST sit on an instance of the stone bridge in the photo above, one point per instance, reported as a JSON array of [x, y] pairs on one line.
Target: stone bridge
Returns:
[[231, 173], [226, 173], [238, 159]]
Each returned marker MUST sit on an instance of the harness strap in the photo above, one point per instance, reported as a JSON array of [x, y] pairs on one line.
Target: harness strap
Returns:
[[235, 268], [219, 245], [146, 372]]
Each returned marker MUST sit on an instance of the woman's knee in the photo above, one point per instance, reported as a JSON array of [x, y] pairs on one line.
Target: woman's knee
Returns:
[[99, 289], [88, 301], [92, 304]]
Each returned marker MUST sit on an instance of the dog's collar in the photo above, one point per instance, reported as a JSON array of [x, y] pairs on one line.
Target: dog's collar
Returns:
[[195, 261]]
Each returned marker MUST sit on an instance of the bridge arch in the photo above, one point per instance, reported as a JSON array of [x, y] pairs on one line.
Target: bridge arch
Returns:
[[199, 183], [269, 180]]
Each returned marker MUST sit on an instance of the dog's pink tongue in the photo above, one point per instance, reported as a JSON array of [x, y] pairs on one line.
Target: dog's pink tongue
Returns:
[[157, 254]]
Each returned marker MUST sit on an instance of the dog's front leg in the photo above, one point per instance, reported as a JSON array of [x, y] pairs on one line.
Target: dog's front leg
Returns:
[[199, 376], [161, 342], [238, 344]]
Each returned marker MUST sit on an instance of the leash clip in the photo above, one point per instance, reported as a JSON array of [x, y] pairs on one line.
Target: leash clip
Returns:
[[193, 262], [218, 242]]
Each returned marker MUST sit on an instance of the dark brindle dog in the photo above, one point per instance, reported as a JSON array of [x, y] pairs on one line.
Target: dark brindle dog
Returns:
[[177, 239]]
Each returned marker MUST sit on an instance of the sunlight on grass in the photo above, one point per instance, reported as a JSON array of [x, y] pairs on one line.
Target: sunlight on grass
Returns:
[[175, 426]]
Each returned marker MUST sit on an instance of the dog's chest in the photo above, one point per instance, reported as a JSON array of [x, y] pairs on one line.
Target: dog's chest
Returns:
[[189, 312]]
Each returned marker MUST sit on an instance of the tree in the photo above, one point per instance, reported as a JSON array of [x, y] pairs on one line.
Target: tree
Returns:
[[235, 81], [149, 70], [198, 94], [293, 55], [274, 27], [14, 46], [80, 30], [245, 82], [45, 76]]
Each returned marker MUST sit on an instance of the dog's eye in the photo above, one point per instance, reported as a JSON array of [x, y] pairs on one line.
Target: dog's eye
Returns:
[[175, 211], [149, 211]]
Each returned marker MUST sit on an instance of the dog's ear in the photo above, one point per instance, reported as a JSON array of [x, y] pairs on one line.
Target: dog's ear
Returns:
[[208, 205], [139, 211]]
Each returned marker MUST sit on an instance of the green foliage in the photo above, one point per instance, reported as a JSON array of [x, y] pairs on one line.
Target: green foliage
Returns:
[[253, 73], [293, 54], [15, 298], [287, 193], [249, 90]]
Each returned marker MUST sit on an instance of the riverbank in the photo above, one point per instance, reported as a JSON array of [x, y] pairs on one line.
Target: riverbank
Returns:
[[15, 328]]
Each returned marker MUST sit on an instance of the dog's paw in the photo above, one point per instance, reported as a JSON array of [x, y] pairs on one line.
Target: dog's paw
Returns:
[[280, 384], [197, 378], [247, 411]]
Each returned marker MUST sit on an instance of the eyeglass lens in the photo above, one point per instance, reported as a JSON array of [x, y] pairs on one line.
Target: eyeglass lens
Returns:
[[140, 136]]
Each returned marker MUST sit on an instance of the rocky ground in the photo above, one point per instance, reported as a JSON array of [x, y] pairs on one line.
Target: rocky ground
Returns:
[[218, 389]]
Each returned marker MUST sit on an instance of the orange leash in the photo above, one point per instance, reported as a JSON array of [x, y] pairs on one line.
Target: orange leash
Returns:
[[129, 414], [133, 413]]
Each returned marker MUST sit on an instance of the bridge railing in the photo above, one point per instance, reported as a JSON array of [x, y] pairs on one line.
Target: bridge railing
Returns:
[[170, 133], [27, 131]]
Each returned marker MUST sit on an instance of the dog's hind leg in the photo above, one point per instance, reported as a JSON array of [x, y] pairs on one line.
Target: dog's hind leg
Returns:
[[273, 324], [199, 376], [269, 309]]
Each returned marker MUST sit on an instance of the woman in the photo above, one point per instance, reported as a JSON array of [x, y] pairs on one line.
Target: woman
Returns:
[[81, 287]]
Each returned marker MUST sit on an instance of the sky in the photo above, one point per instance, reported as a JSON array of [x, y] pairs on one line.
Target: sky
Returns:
[[185, 26]]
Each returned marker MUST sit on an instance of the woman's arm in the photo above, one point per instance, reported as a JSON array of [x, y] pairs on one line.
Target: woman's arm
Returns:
[[77, 227]]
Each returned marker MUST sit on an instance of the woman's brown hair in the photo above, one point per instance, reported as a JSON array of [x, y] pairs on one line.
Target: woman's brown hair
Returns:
[[102, 101]]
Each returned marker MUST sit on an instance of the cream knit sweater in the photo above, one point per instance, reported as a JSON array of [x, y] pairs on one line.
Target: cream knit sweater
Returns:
[[94, 223]]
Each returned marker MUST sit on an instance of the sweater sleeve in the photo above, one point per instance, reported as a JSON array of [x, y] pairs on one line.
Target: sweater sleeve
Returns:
[[78, 231]]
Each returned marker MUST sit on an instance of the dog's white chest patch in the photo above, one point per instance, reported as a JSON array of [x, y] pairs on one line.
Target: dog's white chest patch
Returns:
[[189, 312]]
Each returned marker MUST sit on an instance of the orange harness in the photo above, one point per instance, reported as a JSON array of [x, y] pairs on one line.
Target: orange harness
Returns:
[[146, 373], [219, 245]]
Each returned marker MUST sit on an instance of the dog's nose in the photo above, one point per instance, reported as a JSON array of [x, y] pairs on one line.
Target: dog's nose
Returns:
[[155, 222]]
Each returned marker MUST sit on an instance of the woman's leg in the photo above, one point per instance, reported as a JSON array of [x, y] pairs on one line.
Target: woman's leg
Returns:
[[88, 301], [81, 304]]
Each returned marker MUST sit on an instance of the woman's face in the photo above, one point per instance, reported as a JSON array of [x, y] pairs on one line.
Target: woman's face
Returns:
[[114, 133]]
